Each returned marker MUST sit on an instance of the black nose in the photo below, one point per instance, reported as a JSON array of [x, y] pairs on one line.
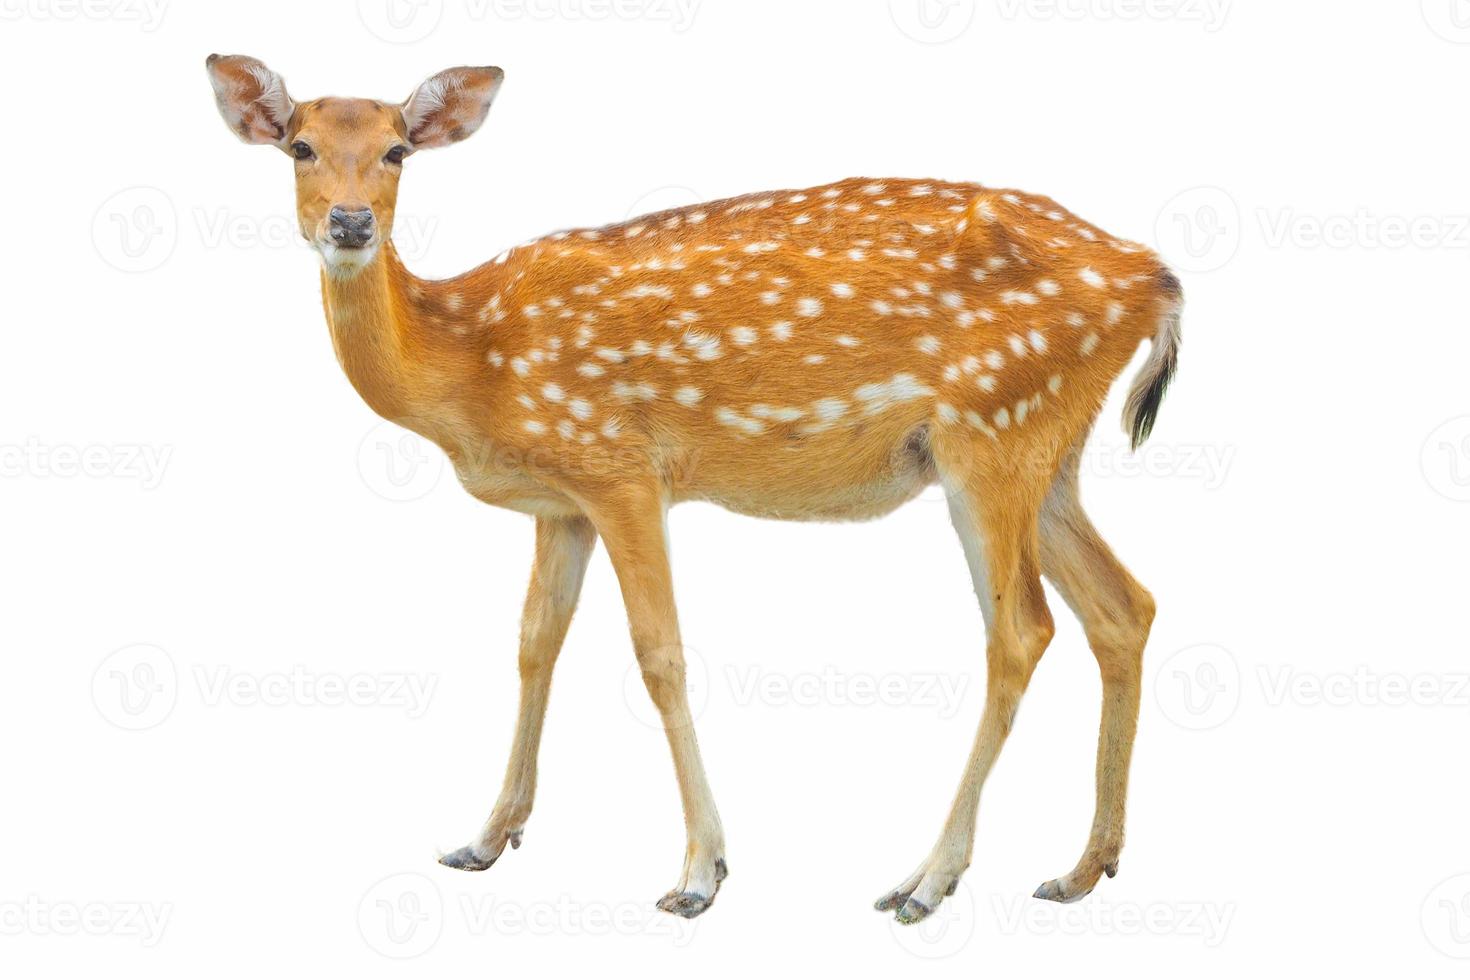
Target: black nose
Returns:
[[350, 229]]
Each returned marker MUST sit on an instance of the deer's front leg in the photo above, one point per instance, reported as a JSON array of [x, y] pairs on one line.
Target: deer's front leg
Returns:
[[563, 548], [633, 530]]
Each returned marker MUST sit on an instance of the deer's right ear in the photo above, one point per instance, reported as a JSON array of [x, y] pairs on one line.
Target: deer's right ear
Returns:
[[251, 97]]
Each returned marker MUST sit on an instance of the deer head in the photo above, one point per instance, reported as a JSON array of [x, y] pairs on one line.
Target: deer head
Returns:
[[348, 153]]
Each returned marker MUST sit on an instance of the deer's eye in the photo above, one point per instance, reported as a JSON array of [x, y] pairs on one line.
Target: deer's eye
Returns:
[[396, 154], [301, 151]]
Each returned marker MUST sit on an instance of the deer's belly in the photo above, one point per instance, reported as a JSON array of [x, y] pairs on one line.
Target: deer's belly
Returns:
[[504, 487], [802, 489], [855, 503]]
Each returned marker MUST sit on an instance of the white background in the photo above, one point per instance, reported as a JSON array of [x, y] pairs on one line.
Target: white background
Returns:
[[186, 469]]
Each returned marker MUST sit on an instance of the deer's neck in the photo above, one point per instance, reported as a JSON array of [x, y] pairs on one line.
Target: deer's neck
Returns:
[[384, 331]]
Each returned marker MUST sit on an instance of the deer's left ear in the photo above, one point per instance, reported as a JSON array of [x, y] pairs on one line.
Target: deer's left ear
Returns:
[[450, 106], [251, 97]]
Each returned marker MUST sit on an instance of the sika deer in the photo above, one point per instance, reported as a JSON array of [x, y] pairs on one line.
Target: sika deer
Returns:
[[822, 354]]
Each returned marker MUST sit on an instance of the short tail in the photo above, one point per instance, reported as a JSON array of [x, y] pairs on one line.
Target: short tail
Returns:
[[1147, 393]]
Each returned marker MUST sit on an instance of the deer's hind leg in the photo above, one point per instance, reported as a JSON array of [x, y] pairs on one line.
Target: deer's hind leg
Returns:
[[994, 511], [1116, 613]]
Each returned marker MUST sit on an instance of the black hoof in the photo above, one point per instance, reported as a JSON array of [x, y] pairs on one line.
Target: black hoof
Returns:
[[466, 859], [686, 905], [913, 911], [690, 904]]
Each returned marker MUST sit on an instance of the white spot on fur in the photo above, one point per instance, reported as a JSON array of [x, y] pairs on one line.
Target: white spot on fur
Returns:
[[631, 393], [646, 291], [776, 414], [733, 419], [827, 411], [705, 348], [895, 391]]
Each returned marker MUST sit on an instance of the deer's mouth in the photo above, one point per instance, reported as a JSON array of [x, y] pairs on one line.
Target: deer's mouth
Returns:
[[341, 257]]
